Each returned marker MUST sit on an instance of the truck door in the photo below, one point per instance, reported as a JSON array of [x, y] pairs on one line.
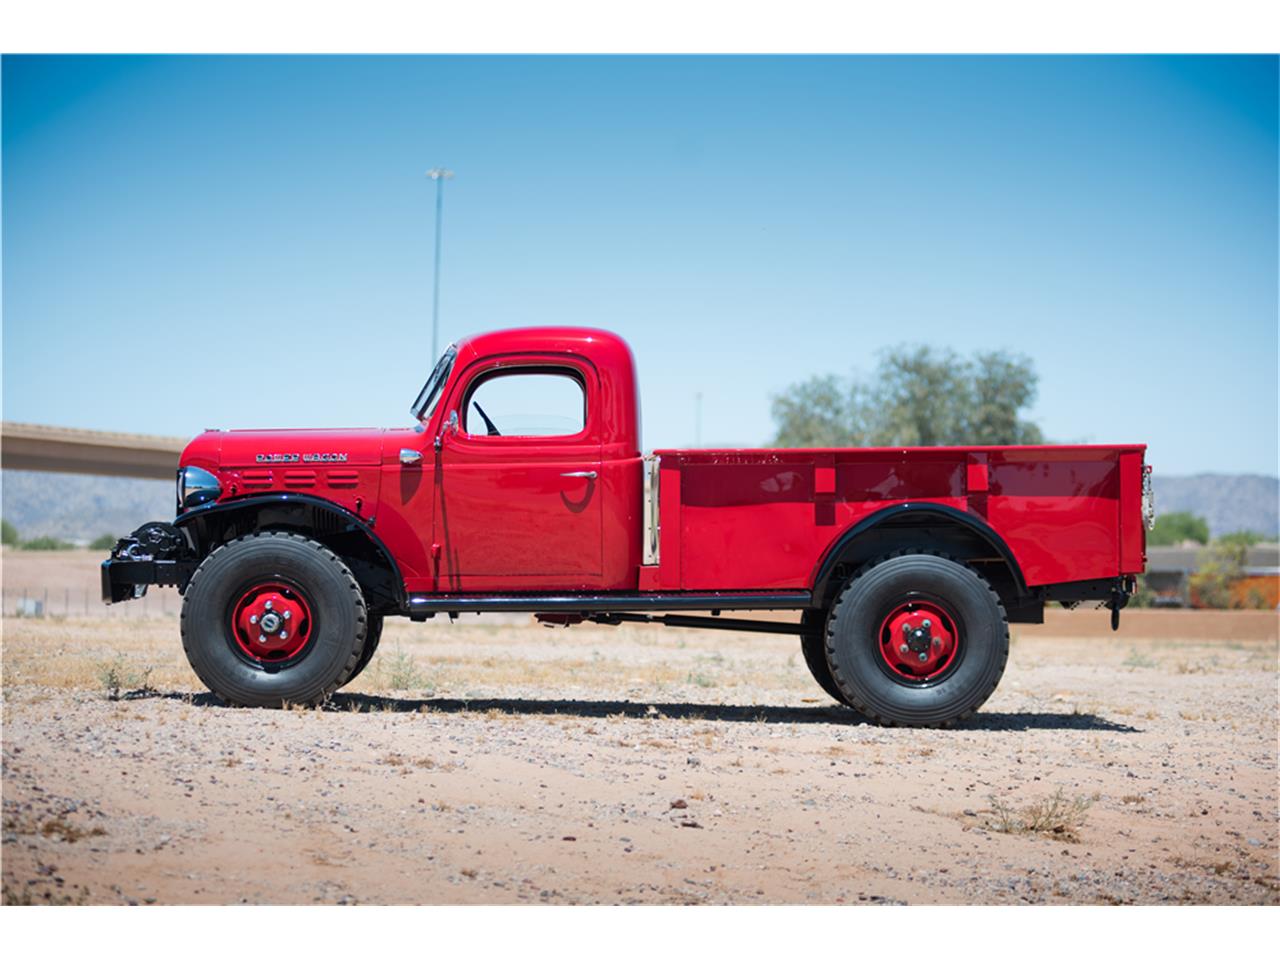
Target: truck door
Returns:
[[519, 496]]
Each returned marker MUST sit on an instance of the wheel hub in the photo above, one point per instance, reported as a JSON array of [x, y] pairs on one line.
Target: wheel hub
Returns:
[[272, 621], [918, 640]]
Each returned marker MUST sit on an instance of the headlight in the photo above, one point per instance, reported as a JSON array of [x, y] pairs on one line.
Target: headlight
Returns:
[[196, 486]]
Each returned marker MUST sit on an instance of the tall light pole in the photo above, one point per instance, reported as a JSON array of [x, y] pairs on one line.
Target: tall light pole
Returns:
[[439, 175]]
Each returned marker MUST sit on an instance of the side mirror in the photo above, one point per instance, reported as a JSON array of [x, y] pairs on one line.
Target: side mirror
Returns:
[[450, 427]]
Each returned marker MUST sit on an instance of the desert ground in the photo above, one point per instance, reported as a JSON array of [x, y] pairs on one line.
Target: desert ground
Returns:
[[496, 761]]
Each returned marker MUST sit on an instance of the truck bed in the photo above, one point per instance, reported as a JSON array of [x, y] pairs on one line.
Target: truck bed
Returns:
[[764, 519]]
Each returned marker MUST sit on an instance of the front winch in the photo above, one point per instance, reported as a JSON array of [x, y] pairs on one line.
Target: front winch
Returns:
[[156, 553]]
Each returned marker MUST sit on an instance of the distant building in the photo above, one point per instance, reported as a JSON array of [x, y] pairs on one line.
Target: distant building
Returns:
[[1169, 571]]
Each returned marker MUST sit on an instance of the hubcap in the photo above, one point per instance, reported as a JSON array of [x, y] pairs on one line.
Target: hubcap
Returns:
[[272, 622], [918, 640]]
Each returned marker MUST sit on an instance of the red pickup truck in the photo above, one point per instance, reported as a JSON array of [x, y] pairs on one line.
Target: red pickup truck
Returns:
[[523, 488]]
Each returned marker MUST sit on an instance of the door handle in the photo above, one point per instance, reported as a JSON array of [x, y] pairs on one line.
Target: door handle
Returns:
[[409, 457], [589, 474]]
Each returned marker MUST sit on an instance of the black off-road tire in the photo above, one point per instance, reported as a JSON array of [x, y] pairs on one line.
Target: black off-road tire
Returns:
[[813, 644], [372, 634], [337, 633], [853, 646]]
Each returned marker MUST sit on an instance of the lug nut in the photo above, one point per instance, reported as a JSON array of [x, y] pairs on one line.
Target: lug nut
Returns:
[[253, 618], [903, 649], [284, 635], [287, 614], [927, 624], [262, 638], [268, 604], [906, 628], [923, 657]]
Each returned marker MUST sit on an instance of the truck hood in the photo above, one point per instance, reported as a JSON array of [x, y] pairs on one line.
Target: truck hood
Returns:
[[232, 449]]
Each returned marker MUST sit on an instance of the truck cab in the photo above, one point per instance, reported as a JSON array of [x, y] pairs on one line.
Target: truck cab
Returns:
[[525, 469]]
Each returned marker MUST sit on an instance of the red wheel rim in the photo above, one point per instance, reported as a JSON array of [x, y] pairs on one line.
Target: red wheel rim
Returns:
[[918, 640], [271, 622]]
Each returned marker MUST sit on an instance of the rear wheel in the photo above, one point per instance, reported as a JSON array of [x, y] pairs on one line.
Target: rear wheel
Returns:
[[273, 618], [917, 639]]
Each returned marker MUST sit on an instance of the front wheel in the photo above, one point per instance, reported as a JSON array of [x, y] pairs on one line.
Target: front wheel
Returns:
[[917, 640], [373, 634], [272, 619]]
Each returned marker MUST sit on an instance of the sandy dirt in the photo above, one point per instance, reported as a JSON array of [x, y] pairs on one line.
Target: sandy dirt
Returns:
[[493, 761]]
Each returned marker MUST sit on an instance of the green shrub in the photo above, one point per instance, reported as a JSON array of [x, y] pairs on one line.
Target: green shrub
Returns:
[[8, 534], [46, 543], [1242, 538], [104, 542], [1143, 595], [1220, 566]]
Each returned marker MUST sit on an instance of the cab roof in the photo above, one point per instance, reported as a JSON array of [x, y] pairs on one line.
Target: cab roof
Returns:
[[602, 348]]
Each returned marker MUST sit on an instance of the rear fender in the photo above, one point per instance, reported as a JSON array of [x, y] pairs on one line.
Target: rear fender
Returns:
[[926, 526]]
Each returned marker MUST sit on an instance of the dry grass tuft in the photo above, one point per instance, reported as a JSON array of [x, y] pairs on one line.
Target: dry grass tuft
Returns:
[[1057, 816], [1136, 659], [57, 827]]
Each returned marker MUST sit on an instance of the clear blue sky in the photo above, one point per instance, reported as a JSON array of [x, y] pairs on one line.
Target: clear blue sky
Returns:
[[237, 242]]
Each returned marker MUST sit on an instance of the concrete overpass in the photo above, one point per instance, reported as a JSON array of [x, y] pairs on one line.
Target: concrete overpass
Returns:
[[29, 446]]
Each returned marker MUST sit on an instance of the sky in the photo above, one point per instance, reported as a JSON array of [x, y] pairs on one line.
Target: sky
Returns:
[[192, 242]]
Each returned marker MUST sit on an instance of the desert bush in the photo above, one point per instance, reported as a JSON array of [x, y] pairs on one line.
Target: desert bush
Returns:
[[104, 542], [9, 534], [1057, 816], [116, 675]]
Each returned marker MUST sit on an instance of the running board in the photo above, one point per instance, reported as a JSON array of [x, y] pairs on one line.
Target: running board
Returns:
[[421, 604], [677, 620]]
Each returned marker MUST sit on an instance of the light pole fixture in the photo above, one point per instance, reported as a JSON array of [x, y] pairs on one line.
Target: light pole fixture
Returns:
[[439, 175]]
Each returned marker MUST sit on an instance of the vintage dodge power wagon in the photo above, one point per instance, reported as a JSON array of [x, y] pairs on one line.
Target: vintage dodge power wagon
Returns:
[[523, 488]]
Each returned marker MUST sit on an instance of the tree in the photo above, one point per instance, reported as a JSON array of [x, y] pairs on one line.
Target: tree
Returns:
[[104, 542], [1172, 529], [820, 412], [917, 396], [9, 534]]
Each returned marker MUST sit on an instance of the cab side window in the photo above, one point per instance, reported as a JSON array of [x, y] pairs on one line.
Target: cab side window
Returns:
[[536, 402]]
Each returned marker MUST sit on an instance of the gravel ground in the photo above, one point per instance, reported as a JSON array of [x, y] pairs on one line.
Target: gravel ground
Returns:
[[498, 762]]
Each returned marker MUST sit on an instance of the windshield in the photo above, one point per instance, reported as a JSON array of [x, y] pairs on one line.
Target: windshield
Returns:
[[425, 405]]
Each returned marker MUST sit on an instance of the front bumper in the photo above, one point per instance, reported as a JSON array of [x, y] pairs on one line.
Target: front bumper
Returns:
[[124, 579]]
